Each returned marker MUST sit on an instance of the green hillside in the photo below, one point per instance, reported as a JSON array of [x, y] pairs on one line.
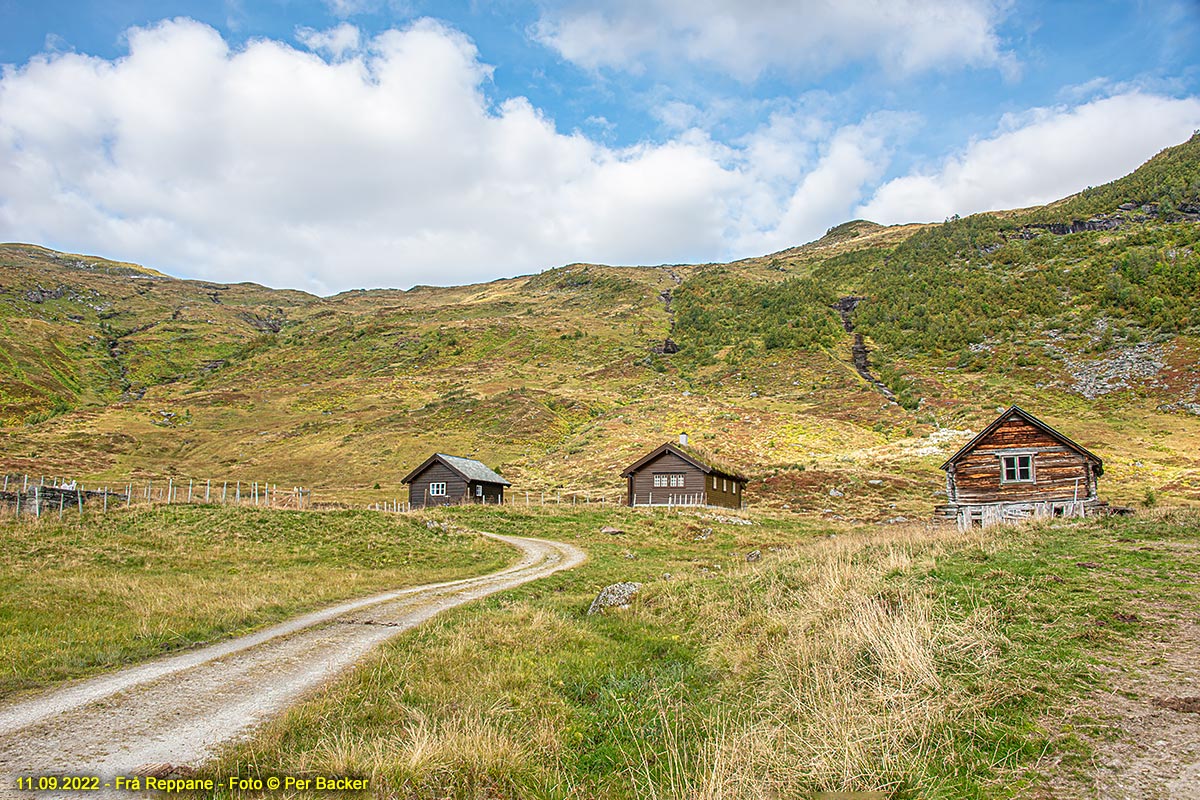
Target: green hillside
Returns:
[[1085, 311]]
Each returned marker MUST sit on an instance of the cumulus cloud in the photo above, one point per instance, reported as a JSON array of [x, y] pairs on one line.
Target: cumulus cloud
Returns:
[[1039, 156], [744, 39], [384, 164]]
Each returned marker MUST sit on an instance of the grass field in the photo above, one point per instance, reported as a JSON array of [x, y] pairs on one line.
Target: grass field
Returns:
[[914, 661], [87, 595]]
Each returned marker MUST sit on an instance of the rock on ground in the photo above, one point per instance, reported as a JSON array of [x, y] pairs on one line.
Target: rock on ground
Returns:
[[617, 595]]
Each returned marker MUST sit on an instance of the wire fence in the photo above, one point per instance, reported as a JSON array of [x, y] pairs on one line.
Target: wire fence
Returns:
[[23, 495]]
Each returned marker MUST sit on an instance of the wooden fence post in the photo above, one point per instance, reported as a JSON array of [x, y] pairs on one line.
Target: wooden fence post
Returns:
[[189, 490], [170, 488], [224, 488], [238, 494], [207, 488]]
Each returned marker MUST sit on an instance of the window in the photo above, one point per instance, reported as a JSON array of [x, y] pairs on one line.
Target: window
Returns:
[[1016, 469], [735, 487], [724, 485], [479, 490], [714, 481], [437, 489], [663, 480]]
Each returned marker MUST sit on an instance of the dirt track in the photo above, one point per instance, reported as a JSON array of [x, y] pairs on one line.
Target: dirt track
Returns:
[[177, 710]]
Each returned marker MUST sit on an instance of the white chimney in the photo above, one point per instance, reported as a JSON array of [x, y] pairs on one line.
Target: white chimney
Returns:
[[683, 440]]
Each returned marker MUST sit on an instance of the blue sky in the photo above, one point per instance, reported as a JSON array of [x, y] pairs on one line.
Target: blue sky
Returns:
[[332, 144]]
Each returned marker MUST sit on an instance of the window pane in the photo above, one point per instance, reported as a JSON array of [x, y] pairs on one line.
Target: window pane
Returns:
[[1025, 468]]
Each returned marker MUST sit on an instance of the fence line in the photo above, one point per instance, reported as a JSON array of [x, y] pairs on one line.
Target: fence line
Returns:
[[25, 496]]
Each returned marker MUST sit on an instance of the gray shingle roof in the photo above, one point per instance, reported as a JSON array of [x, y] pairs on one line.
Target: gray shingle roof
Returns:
[[472, 470]]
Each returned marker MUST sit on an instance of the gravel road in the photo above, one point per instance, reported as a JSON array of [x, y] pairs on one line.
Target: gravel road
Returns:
[[178, 710]]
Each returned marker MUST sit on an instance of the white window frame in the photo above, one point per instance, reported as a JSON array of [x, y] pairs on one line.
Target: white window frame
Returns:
[[714, 481], [724, 484], [479, 490], [437, 489], [1015, 460], [676, 479], [660, 480]]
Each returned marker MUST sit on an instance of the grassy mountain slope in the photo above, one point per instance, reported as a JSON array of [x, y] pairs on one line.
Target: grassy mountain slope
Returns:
[[1086, 312]]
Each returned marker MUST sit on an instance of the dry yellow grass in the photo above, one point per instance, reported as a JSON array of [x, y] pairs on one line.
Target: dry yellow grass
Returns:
[[903, 659]]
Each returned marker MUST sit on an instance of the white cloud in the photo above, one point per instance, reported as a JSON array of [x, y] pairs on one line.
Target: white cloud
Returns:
[[384, 166], [745, 39], [819, 195], [1039, 156], [336, 42]]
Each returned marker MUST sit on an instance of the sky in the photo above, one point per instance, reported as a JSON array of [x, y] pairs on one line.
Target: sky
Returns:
[[326, 145]]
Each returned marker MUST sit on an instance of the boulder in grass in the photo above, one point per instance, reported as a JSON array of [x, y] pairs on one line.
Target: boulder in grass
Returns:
[[754, 555], [617, 595], [611, 531]]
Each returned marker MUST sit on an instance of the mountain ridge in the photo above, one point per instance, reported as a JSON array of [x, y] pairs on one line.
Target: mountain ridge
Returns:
[[562, 377]]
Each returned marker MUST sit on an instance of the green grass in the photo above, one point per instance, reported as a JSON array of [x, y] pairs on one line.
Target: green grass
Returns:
[[924, 663], [86, 595]]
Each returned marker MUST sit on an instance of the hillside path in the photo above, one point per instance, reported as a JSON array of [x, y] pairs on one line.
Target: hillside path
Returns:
[[178, 710]]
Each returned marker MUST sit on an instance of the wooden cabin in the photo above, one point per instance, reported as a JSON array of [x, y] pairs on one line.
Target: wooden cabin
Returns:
[[449, 480], [1019, 467], [679, 475]]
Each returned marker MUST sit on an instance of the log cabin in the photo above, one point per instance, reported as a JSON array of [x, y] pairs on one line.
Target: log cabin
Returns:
[[677, 474], [449, 480], [1019, 467]]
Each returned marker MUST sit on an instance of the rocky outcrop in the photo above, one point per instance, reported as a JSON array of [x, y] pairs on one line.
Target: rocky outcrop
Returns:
[[1075, 226], [1119, 368], [40, 295]]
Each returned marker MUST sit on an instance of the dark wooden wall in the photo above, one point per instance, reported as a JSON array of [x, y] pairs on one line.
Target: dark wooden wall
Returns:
[[976, 477], [493, 493], [643, 480], [418, 490], [724, 494]]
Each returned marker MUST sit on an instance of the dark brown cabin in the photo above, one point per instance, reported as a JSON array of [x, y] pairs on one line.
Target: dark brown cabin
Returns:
[[678, 475], [1019, 467], [448, 480]]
